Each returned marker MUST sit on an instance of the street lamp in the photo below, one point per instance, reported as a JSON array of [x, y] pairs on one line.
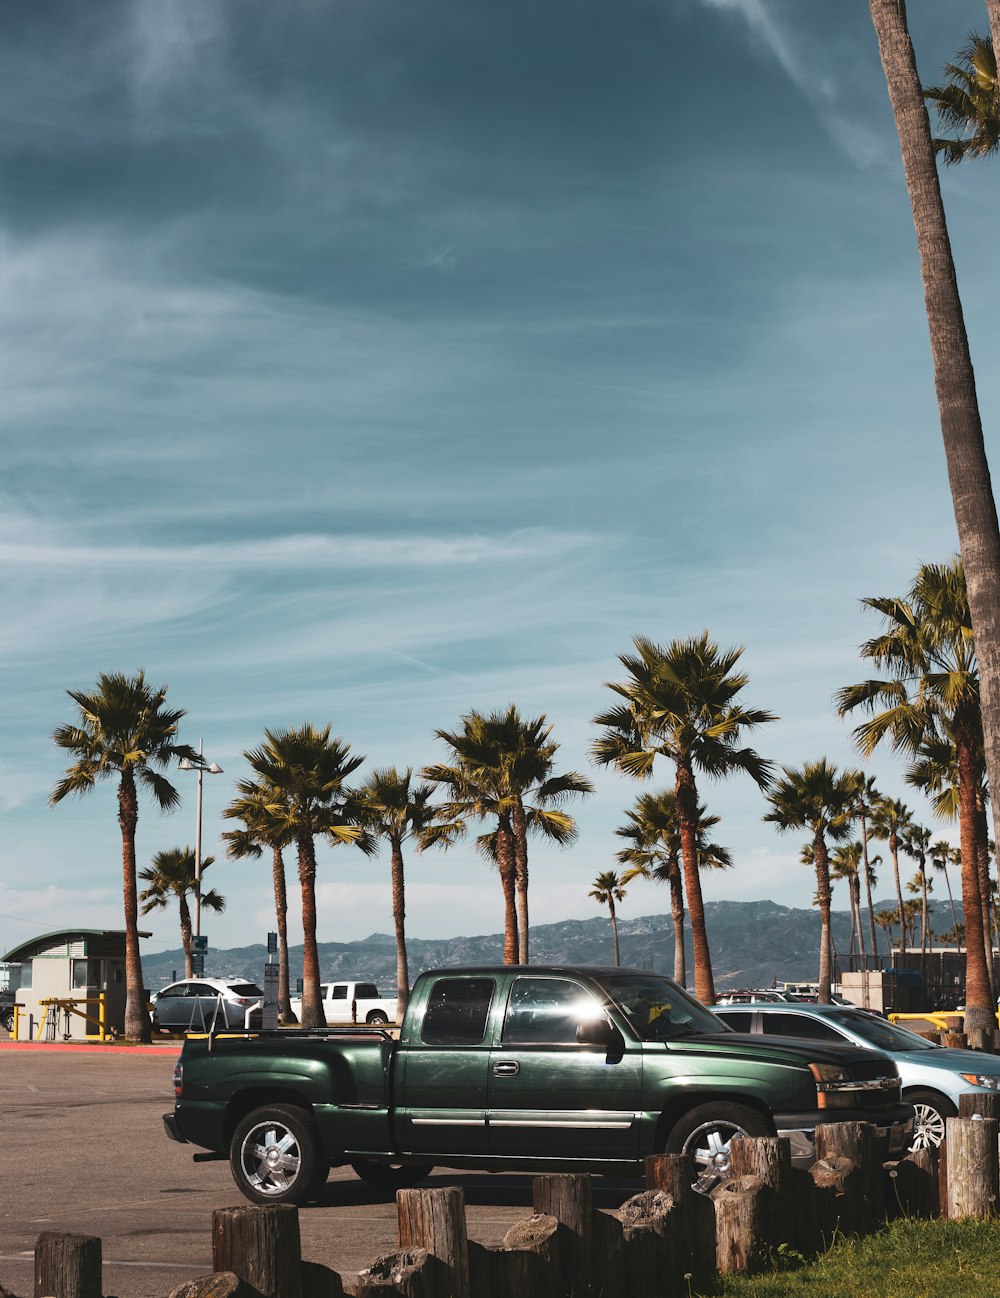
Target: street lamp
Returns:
[[186, 764]]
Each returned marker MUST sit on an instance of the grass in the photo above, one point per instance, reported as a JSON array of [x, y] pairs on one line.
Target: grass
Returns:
[[908, 1259]]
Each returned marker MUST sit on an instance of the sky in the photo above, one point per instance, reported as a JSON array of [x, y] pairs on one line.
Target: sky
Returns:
[[370, 361]]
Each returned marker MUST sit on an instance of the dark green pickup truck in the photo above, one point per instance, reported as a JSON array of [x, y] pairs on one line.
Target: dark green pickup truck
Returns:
[[525, 1068]]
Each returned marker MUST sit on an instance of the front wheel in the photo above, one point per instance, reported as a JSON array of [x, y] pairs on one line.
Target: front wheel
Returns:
[[387, 1178], [929, 1113], [706, 1132], [275, 1156]]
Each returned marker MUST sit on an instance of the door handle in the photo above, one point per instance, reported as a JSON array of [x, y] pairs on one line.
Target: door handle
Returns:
[[508, 1069]]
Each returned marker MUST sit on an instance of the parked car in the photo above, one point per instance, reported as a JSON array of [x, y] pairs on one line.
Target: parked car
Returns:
[[933, 1076], [348, 1002], [196, 1004]]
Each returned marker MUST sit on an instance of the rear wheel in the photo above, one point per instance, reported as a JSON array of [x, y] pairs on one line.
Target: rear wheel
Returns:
[[275, 1156], [706, 1132], [7, 1019], [377, 1017], [929, 1113], [387, 1178]]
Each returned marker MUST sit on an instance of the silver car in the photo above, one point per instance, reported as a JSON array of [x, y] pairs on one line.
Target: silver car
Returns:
[[199, 1004], [933, 1076]]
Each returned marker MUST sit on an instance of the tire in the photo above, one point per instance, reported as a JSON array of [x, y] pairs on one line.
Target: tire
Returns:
[[276, 1157], [377, 1017], [387, 1178], [7, 1019], [928, 1123], [705, 1132]]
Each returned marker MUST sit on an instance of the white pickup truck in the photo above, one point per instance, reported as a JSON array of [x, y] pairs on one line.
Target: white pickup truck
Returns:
[[352, 1003]]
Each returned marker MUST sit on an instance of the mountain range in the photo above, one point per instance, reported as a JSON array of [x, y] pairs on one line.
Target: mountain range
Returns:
[[752, 943]]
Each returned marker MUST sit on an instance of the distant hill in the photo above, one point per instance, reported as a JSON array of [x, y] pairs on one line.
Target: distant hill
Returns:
[[752, 943]]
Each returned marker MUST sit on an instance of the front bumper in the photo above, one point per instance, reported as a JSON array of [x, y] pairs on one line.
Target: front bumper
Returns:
[[892, 1130]]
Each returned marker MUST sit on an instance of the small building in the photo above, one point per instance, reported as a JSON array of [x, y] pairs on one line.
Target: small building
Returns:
[[80, 964]]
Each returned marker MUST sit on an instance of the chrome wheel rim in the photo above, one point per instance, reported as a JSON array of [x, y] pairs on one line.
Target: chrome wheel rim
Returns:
[[270, 1157], [928, 1127], [709, 1145]]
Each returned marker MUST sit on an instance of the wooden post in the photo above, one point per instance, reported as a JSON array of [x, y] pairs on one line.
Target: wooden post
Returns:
[[67, 1266], [980, 1039], [319, 1281], [435, 1220], [943, 1176], [744, 1214], [530, 1263], [853, 1140], [972, 1167], [405, 1272], [694, 1230], [954, 1040], [220, 1284], [260, 1243], [984, 1104], [911, 1188], [652, 1261], [570, 1200]]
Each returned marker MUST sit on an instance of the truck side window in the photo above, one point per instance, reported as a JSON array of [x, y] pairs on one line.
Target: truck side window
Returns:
[[365, 992], [457, 1010], [549, 1010], [339, 992]]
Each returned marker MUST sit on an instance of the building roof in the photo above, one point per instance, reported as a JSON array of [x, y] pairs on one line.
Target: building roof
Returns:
[[27, 949]]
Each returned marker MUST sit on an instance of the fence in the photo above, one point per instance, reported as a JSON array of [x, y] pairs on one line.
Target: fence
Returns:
[[659, 1244]]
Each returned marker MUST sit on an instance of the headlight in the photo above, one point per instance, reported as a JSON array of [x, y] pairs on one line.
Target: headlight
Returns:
[[979, 1079], [828, 1073]]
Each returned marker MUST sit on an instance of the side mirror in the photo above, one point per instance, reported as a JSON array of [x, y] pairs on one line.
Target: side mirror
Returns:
[[598, 1032]]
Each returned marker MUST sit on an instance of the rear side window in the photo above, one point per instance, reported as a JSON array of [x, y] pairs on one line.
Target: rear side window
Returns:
[[366, 992], [246, 989], [457, 1011], [739, 1021], [799, 1025]]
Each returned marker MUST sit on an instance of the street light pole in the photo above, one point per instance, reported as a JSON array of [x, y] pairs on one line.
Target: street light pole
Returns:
[[187, 765]]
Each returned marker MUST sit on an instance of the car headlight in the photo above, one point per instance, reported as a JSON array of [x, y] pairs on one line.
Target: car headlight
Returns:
[[828, 1073], [981, 1079]]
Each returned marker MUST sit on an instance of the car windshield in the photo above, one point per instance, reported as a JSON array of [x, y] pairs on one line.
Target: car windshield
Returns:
[[880, 1034], [657, 1008]]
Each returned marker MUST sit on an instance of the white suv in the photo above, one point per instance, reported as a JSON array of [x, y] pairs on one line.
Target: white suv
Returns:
[[198, 1004]]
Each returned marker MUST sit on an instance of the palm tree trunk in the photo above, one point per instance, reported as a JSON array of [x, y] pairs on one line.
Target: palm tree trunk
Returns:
[[520, 830], [868, 887], [951, 900], [894, 853], [281, 919], [614, 929], [983, 866], [856, 891], [822, 861], [399, 919], [687, 819], [978, 995], [954, 379], [313, 1015], [185, 934], [508, 881], [137, 1026], [677, 915]]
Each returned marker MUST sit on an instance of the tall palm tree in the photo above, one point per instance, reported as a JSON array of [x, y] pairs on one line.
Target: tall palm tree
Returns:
[[606, 891], [819, 798], [266, 824], [390, 806], [969, 102], [885, 920], [941, 853], [958, 405], [927, 652], [865, 798], [308, 769], [124, 731], [680, 702], [845, 863], [892, 820], [654, 850], [917, 845], [172, 876]]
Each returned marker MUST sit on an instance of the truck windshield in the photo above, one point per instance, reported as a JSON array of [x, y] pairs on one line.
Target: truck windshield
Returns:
[[657, 1008]]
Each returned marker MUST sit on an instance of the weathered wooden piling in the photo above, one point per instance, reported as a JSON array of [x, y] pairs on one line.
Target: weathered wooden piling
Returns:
[[693, 1232], [435, 1220], [67, 1266], [972, 1179], [260, 1243], [744, 1216]]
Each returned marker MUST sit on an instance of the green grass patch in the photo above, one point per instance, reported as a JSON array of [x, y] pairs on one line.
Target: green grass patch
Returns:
[[909, 1259]]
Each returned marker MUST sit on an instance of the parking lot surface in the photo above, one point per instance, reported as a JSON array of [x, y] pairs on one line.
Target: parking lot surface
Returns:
[[85, 1151]]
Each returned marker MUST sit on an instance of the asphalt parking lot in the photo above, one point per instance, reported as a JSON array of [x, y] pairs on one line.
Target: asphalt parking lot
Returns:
[[84, 1151]]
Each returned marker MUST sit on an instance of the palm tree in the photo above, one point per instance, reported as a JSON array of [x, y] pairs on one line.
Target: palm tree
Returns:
[[865, 798], [932, 690], [308, 770], [653, 834], [819, 798], [172, 875], [679, 702], [845, 863], [968, 103], [941, 853], [961, 426], [917, 845], [891, 821], [266, 824], [885, 920], [606, 891], [390, 806], [124, 731]]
